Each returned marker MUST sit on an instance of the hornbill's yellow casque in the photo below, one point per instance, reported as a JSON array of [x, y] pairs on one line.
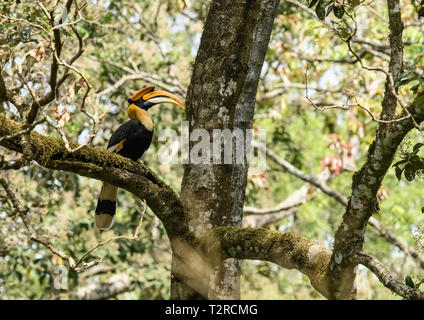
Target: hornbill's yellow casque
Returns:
[[130, 140]]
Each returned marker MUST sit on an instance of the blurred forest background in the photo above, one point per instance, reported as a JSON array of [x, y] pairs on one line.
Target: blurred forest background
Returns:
[[306, 79]]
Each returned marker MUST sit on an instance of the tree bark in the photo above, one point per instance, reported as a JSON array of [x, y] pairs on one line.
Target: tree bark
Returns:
[[221, 96], [198, 254], [363, 203]]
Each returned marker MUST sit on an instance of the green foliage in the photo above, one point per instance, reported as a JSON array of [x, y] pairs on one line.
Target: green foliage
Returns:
[[324, 8], [411, 76], [409, 282], [161, 38], [410, 165]]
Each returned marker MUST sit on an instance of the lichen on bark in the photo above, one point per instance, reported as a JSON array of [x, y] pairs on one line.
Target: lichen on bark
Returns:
[[288, 250]]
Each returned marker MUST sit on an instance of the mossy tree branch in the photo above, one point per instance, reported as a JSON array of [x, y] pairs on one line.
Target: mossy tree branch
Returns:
[[386, 278], [288, 250], [285, 249], [100, 164], [263, 216], [224, 82], [363, 203], [330, 273]]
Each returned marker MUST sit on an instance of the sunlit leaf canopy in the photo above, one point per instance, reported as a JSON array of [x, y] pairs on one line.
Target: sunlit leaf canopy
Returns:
[[130, 44]]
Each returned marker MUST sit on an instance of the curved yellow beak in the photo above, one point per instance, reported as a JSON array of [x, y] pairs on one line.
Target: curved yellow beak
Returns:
[[159, 96]]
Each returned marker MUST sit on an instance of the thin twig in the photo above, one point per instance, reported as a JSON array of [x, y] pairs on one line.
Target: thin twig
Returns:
[[133, 237], [386, 278], [347, 106], [23, 213]]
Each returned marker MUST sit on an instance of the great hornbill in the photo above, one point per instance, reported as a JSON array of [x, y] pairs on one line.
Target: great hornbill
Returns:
[[131, 140]]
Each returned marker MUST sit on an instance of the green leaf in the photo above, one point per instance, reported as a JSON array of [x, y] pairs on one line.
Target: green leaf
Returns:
[[18, 275], [400, 162], [418, 146], [409, 282], [320, 10], [312, 3], [338, 12], [421, 12], [398, 173], [415, 161], [409, 173]]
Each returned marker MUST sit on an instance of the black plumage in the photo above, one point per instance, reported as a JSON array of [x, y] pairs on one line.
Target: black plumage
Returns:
[[136, 139]]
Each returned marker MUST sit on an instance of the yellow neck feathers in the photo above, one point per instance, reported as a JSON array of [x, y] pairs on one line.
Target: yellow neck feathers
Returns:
[[141, 115]]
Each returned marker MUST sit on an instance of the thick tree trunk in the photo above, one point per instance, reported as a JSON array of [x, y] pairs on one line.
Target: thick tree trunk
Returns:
[[221, 96], [363, 202]]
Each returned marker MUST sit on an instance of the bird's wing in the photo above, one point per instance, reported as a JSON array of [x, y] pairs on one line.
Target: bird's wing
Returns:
[[118, 138], [117, 147]]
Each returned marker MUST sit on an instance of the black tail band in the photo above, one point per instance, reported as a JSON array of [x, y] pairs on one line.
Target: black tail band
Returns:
[[106, 207]]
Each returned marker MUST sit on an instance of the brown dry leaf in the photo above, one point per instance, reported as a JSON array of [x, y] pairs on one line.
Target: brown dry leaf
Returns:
[[63, 118], [70, 93], [37, 53], [53, 110], [101, 118]]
